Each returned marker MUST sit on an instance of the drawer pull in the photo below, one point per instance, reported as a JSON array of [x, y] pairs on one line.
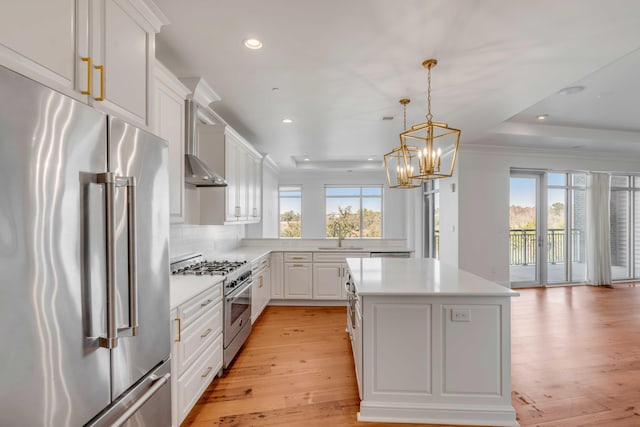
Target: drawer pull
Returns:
[[206, 374], [297, 257], [179, 330], [298, 265], [206, 333], [204, 304]]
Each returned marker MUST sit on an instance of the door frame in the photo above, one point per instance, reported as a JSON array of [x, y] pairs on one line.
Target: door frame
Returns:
[[541, 227]]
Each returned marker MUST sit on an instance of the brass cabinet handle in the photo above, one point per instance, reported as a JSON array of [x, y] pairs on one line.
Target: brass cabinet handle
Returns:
[[298, 257], [209, 368], [179, 330], [260, 282], [206, 333], [298, 265], [88, 61], [101, 68]]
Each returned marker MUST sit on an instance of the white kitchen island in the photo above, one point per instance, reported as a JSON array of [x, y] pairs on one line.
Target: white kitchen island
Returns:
[[431, 343]]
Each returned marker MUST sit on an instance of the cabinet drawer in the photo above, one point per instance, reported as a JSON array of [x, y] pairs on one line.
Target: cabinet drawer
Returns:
[[195, 380], [337, 256], [198, 335], [260, 264], [192, 309], [298, 256]]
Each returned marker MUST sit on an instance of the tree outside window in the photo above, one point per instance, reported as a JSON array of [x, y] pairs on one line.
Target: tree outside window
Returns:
[[290, 210], [353, 211]]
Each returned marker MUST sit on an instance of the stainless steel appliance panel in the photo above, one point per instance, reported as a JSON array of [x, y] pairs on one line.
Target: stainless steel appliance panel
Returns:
[[52, 371], [237, 312], [147, 404], [142, 156]]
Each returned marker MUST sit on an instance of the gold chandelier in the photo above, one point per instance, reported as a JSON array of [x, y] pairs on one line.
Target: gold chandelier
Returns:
[[437, 143], [399, 161]]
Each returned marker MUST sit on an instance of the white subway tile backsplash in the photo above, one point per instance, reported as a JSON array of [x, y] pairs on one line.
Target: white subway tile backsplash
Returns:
[[210, 240]]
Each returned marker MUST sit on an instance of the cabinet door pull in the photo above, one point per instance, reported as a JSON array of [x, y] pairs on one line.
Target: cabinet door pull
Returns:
[[88, 61], [209, 368], [101, 69], [204, 304], [260, 282], [179, 329], [298, 265], [206, 333]]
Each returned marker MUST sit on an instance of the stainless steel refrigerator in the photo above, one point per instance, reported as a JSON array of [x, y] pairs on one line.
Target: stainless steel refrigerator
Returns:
[[84, 280]]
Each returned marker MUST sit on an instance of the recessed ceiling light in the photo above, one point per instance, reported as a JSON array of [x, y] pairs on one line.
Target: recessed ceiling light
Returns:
[[370, 158], [287, 120], [571, 90], [252, 43], [306, 159], [542, 116]]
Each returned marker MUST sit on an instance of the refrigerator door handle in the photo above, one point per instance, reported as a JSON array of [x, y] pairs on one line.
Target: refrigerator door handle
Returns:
[[108, 179], [157, 385], [133, 274], [111, 182]]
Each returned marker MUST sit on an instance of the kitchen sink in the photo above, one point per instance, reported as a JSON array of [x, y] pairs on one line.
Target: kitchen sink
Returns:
[[335, 248]]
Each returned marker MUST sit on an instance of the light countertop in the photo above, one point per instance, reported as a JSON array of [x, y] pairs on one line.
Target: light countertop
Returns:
[[184, 287], [416, 276]]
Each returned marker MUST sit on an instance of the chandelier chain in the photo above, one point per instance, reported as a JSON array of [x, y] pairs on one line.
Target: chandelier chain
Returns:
[[405, 116], [429, 115]]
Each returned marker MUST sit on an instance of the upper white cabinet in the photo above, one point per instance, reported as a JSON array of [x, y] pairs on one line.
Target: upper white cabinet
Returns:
[[101, 52], [170, 125], [38, 39], [230, 155]]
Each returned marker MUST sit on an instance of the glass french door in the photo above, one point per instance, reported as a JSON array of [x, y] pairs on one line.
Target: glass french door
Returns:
[[524, 230], [547, 228]]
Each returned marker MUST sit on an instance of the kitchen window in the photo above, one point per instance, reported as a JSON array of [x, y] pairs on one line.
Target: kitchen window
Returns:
[[290, 210], [353, 211]]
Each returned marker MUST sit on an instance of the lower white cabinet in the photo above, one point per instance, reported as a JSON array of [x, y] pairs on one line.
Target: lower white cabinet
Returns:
[[298, 280], [261, 290], [330, 273], [197, 349], [197, 378], [277, 273], [328, 280]]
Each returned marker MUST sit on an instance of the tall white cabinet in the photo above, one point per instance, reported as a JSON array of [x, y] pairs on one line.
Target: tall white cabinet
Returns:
[[101, 52], [170, 125]]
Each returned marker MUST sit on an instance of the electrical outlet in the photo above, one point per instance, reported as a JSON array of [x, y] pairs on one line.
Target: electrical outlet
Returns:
[[458, 315]]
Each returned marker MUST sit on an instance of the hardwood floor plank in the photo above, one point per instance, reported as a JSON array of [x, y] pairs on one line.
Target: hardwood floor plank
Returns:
[[575, 362]]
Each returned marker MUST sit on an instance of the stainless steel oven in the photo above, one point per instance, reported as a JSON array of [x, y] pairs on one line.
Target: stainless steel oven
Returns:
[[237, 316]]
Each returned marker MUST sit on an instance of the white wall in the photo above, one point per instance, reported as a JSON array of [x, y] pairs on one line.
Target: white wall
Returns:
[[483, 199], [313, 213]]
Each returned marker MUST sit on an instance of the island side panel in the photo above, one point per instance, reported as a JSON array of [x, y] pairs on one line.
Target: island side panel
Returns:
[[432, 359]]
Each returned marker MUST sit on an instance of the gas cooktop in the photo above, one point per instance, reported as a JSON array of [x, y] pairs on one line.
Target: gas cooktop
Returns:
[[197, 265]]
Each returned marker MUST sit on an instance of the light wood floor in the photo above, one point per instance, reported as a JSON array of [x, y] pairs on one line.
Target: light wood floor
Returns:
[[575, 362]]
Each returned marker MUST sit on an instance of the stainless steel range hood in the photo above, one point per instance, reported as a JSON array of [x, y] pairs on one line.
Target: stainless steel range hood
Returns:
[[196, 171]]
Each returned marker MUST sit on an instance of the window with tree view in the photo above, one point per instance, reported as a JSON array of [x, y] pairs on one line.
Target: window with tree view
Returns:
[[353, 211], [290, 208]]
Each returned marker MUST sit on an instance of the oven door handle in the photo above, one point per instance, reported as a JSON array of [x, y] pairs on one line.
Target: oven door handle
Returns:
[[237, 293]]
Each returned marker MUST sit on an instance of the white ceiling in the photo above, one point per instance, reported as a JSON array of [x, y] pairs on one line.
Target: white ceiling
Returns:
[[340, 66]]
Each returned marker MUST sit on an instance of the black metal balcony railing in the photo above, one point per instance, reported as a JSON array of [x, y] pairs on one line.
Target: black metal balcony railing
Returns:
[[523, 246]]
